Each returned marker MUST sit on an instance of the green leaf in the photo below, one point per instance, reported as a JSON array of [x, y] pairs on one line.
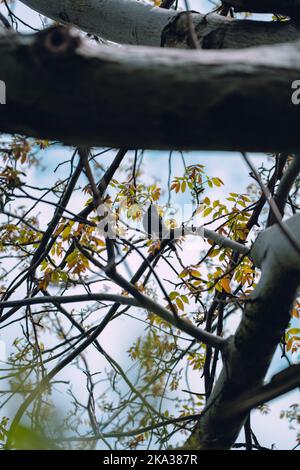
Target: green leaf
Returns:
[[173, 295]]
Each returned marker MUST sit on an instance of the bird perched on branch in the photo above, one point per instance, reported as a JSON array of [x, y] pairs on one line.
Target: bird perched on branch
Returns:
[[155, 227]]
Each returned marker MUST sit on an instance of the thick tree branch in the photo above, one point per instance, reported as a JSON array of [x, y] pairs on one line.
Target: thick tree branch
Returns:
[[58, 86], [281, 383], [123, 21], [210, 235], [225, 242], [283, 7], [139, 23], [265, 318]]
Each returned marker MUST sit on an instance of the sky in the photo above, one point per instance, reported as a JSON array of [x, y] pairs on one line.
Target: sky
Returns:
[[233, 171]]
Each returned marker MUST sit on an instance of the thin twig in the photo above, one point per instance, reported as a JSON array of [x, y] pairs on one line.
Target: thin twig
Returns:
[[273, 205]]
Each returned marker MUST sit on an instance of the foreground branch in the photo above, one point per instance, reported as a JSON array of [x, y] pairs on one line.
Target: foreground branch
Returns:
[[59, 85]]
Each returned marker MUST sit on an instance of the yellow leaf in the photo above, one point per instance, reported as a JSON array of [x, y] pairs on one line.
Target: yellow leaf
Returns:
[[195, 273], [179, 303], [207, 211], [217, 181], [289, 344], [66, 232], [214, 252], [225, 283], [173, 295]]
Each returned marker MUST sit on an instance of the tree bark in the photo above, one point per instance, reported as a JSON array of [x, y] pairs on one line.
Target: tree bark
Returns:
[[61, 88], [139, 23], [282, 7], [123, 21], [265, 318]]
